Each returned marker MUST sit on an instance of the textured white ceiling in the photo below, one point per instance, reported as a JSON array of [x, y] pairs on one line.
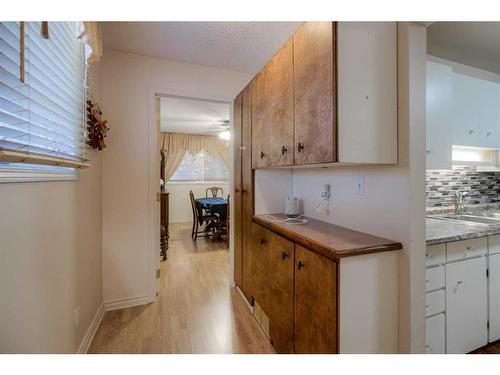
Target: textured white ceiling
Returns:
[[471, 43], [238, 46], [181, 115]]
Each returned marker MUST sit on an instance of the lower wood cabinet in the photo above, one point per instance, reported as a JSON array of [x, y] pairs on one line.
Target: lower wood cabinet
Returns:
[[315, 302], [271, 264], [297, 291]]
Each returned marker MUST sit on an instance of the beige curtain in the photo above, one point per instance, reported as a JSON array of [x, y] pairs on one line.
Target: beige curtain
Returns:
[[90, 33], [175, 146]]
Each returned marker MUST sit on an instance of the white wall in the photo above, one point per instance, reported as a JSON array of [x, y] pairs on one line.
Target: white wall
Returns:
[[50, 259], [129, 84], [179, 203]]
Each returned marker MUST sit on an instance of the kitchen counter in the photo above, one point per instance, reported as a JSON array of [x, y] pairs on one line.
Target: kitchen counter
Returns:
[[330, 240], [442, 231]]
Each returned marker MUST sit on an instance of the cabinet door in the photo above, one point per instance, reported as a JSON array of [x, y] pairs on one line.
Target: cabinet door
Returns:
[[246, 180], [489, 115], [435, 334], [271, 267], [236, 222], [465, 110], [439, 115], [314, 90], [272, 111], [466, 305], [367, 92], [315, 303], [494, 297]]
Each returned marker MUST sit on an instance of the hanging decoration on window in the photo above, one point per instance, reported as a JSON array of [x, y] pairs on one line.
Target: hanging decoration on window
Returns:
[[96, 126]]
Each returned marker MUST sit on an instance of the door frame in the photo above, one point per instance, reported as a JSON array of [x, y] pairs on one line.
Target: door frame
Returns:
[[153, 178]]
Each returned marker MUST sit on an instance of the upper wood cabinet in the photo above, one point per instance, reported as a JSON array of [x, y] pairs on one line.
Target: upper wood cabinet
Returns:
[[329, 95], [272, 111], [314, 94]]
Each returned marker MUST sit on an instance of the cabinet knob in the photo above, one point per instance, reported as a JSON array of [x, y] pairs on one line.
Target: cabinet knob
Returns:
[[489, 134], [236, 190], [262, 155], [262, 241], [284, 255], [283, 150], [428, 151], [300, 265], [243, 191], [471, 132], [300, 146]]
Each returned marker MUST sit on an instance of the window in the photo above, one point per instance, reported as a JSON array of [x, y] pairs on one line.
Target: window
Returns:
[[200, 168], [42, 115]]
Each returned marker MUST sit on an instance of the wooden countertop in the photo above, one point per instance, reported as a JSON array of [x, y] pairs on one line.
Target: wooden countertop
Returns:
[[330, 240]]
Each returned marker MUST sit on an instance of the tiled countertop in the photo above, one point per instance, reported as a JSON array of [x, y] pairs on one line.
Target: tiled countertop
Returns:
[[441, 231]]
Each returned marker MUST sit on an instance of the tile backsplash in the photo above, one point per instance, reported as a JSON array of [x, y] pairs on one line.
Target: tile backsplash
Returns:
[[481, 187]]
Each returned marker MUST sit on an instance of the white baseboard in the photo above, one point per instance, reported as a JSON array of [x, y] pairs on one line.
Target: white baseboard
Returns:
[[91, 331], [126, 302]]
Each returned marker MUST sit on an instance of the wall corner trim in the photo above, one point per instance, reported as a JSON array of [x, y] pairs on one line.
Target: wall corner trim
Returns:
[[91, 331]]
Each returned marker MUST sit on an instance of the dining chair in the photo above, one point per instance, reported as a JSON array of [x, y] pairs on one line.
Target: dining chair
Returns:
[[214, 191], [200, 219]]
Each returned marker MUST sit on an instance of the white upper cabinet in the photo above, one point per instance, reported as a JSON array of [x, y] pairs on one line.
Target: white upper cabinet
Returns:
[[367, 92], [489, 114], [439, 115], [466, 103]]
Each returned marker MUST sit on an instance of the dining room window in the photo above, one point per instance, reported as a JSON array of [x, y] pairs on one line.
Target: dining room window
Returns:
[[202, 167]]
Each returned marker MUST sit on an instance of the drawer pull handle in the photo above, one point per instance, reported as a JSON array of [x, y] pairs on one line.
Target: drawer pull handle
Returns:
[[427, 281], [300, 265], [427, 306], [471, 132], [284, 255], [468, 248], [283, 150], [455, 289]]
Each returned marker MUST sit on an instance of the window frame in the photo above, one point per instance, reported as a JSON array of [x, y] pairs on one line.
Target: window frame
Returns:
[[204, 181]]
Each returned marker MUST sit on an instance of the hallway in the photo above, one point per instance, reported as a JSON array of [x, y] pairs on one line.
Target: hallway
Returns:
[[196, 311]]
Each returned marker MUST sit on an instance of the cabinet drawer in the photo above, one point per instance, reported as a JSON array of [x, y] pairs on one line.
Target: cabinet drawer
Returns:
[[494, 244], [435, 254], [466, 249], [434, 278], [435, 302], [435, 334]]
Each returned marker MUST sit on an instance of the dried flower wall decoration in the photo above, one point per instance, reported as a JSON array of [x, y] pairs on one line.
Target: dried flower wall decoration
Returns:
[[96, 126]]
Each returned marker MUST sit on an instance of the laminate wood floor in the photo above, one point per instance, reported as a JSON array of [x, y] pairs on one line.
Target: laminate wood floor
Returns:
[[196, 311]]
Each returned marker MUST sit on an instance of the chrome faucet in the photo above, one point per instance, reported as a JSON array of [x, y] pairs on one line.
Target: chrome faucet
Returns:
[[458, 201]]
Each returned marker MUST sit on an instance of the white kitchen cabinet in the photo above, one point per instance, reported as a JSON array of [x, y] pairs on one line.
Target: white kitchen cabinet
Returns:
[[435, 254], [439, 115], [466, 305], [494, 244], [494, 297], [435, 303], [434, 278], [435, 335], [367, 92], [466, 104], [489, 114], [464, 249]]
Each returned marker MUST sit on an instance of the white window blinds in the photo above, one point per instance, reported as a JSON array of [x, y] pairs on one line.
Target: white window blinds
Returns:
[[44, 114]]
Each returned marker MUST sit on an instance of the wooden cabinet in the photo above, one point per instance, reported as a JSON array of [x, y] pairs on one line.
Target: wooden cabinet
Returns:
[[329, 95], [237, 222], [465, 110], [314, 93], [243, 185], [315, 303], [271, 264], [494, 297], [272, 111], [466, 305], [439, 109]]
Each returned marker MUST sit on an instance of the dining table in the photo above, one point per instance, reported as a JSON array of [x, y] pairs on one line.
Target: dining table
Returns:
[[216, 205]]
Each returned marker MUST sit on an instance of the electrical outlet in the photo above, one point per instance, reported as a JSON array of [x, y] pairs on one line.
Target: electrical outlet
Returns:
[[360, 185], [77, 317]]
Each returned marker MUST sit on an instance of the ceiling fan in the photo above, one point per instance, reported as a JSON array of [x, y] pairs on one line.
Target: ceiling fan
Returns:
[[222, 128]]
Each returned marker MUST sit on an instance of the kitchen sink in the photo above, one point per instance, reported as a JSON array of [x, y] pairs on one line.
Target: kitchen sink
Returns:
[[485, 218]]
